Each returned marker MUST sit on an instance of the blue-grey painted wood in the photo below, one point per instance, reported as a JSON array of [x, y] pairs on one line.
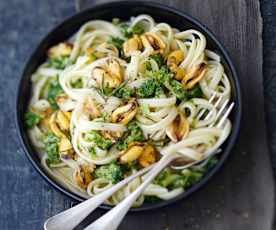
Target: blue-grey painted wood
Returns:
[[26, 200]]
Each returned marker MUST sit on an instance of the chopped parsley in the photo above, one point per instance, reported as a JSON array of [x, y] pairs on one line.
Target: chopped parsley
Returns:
[[123, 91], [172, 180], [137, 29], [53, 91], [158, 58], [128, 31], [150, 88], [163, 80], [154, 87], [92, 151], [195, 92], [100, 141], [59, 62], [117, 42], [51, 143], [133, 133], [31, 119], [177, 89], [112, 172]]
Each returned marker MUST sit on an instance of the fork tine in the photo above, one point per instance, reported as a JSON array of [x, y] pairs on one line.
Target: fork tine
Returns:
[[215, 105], [204, 110], [218, 101], [222, 108], [225, 115]]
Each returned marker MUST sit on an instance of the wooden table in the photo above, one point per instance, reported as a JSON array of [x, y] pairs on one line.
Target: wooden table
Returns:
[[26, 200]]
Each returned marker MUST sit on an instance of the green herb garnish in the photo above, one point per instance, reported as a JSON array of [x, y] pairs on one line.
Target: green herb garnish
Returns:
[[59, 62], [128, 31], [53, 91], [123, 91], [112, 172], [150, 88], [163, 79], [158, 58], [117, 42], [100, 141], [171, 179], [51, 143], [31, 119], [133, 133]]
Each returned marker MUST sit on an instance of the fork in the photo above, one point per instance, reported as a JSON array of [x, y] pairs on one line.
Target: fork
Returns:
[[70, 218], [112, 219]]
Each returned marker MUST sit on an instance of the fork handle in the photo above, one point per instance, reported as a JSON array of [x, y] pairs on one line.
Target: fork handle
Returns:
[[70, 218], [112, 219]]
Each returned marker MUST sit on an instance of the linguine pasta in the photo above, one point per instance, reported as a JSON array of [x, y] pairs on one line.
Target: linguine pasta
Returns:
[[117, 96]]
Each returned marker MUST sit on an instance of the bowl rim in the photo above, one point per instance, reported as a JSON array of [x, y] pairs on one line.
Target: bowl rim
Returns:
[[160, 7]]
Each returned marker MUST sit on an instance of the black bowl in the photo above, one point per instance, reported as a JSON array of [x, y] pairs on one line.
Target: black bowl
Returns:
[[125, 10]]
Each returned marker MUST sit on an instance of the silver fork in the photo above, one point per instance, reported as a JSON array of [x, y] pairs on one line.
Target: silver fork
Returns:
[[70, 218], [112, 219]]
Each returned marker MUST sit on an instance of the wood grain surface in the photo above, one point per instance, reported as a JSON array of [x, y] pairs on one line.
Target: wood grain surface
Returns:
[[240, 196], [269, 69]]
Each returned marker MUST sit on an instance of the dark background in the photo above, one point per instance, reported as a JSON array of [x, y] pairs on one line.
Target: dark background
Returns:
[[23, 23], [268, 10]]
